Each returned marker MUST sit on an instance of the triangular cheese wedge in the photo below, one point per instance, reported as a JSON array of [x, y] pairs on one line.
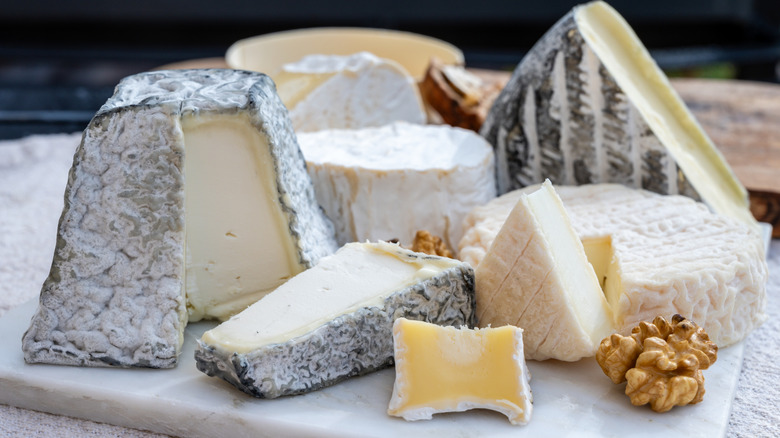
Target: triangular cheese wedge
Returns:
[[588, 104], [335, 320], [536, 276]]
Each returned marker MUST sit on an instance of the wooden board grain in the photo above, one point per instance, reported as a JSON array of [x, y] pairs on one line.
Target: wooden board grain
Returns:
[[743, 120]]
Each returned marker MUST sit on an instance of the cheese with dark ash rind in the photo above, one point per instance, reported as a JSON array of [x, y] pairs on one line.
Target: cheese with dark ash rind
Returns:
[[283, 345], [115, 295], [588, 104]]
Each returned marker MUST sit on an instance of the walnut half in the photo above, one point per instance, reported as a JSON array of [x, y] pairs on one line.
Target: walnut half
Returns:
[[429, 244], [661, 361]]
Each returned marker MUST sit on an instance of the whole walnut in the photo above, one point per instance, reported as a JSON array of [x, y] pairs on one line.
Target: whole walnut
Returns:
[[661, 361]]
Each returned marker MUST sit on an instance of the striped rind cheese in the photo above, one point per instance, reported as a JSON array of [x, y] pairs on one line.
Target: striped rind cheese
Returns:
[[588, 104], [335, 320], [448, 369], [392, 181], [660, 255], [122, 277]]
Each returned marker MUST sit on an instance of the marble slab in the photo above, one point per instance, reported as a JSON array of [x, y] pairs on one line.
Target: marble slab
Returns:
[[570, 400]]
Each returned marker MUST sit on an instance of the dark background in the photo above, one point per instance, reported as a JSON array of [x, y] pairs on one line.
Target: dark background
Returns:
[[59, 60]]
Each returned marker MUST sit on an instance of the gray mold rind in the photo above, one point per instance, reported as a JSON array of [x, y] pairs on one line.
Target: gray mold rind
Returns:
[[115, 292], [584, 129], [350, 345]]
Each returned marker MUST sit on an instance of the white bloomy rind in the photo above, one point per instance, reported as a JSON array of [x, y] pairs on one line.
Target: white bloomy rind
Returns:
[[660, 255], [536, 276], [392, 181], [348, 92]]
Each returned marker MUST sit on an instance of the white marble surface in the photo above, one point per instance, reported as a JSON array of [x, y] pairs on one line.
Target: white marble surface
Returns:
[[571, 399]]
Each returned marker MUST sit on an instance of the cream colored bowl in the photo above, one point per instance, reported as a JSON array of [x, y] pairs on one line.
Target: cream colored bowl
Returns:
[[267, 53]]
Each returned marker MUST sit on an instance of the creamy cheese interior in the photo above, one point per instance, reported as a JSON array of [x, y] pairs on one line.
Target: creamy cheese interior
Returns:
[[601, 255], [237, 244], [440, 368], [358, 275], [579, 280], [624, 56]]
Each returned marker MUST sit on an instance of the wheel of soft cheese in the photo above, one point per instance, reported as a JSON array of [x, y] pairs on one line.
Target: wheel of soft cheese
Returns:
[[188, 193], [348, 92], [653, 255], [392, 181], [588, 104], [335, 320]]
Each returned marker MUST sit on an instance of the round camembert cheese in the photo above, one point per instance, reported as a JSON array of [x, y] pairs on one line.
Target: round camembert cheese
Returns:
[[390, 182]]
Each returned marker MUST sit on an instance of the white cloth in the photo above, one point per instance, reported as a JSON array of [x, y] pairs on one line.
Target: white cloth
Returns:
[[33, 174]]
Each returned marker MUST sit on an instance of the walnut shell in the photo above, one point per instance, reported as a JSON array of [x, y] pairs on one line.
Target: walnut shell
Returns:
[[661, 361]]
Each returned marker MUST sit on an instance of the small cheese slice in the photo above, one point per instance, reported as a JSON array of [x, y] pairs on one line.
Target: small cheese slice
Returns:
[[348, 92], [445, 369], [392, 181], [536, 276], [588, 104], [335, 320], [653, 255], [188, 192]]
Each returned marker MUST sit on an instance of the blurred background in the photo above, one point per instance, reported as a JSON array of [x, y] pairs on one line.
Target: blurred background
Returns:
[[59, 60]]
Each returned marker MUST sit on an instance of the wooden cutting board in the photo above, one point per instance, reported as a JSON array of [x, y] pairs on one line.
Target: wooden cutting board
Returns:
[[741, 117], [743, 120]]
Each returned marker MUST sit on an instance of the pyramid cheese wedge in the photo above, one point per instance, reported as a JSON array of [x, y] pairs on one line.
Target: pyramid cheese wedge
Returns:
[[446, 369], [653, 255], [536, 276], [335, 320], [188, 198], [588, 104]]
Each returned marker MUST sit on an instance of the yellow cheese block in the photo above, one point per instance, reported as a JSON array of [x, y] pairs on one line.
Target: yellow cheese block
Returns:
[[445, 369]]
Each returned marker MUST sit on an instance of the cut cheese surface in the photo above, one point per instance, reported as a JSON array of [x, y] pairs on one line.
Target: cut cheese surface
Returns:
[[653, 255], [362, 275], [589, 105], [647, 87], [392, 181], [238, 247], [536, 276], [188, 198], [334, 320], [446, 369], [348, 92]]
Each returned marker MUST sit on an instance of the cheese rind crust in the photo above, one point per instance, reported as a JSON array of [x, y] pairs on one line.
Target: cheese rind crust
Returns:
[[115, 293], [352, 344], [564, 116], [673, 256]]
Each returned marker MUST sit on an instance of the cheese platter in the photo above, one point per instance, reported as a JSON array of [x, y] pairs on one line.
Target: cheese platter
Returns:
[[133, 277], [570, 399]]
